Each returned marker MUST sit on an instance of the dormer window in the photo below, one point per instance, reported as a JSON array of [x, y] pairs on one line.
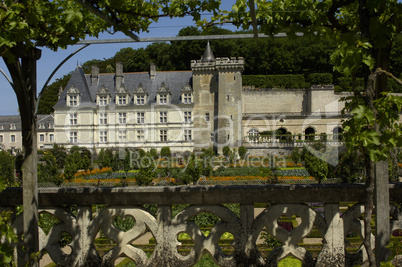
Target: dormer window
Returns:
[[12, 127], [122, 96], [140, 95], [162, 98], [187, 94], [103, 96], [122, 100], [1, 127], [163, 94], [41, 126], [73, 96]]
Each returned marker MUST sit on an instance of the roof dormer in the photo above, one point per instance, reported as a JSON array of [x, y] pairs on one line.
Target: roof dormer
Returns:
[[140, 95], [122, 96], [163, 94], [73, 96], [187, 94], [103, 96]]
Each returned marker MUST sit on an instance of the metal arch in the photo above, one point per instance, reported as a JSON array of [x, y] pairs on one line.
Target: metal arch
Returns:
[[54, 71], [8, 78]]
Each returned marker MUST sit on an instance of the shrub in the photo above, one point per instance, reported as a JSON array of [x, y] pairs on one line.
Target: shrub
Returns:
[[147, 171], [275, 81], [242, 152], [153, 153], [165, 152], [226, 151], [320, 78]]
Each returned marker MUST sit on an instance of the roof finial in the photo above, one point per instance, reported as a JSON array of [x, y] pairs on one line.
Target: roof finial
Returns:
[[208, 55]]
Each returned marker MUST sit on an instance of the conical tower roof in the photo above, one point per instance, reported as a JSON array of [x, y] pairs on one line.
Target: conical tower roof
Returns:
[[208, 55]]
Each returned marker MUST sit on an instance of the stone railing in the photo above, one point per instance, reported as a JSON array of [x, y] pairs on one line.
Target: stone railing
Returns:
[[288, 200], [270, 142]]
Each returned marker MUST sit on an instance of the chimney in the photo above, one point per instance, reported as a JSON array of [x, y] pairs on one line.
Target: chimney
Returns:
[[95, 76], [119, 74], [152, 71]]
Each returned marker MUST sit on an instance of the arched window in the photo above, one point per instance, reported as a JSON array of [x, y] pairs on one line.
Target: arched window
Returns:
[[337, 132], [253, 135], [310, 133]]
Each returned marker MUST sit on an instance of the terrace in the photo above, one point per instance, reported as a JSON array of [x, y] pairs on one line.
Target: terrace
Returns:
[[334, 223]]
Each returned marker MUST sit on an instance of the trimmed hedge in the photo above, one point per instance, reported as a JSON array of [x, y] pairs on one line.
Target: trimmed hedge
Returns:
[[275, 81], [320, 78]]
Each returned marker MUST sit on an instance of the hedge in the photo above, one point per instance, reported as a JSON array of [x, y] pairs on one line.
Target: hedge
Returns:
[[275, 81], [320, 78]]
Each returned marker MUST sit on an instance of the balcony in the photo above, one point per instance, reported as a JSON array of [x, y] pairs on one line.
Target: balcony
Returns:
[[333, 223]]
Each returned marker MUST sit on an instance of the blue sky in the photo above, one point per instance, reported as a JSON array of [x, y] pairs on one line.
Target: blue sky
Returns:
[[166, 27]]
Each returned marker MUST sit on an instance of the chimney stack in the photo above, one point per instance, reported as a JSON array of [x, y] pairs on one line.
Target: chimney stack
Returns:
[[95, 76], [152, 71], [119, 74]]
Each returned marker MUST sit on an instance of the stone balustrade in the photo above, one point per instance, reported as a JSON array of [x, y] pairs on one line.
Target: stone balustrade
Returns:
[[85, 224]]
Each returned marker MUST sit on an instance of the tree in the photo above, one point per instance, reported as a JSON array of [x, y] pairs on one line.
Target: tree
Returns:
[[364, 32], [295, 155], [73, 164], [56, 24], [146, 172], [7, 174], [193, 169], [48, 170], [165, 152], [315, 166], [226, 151], [242, 152]]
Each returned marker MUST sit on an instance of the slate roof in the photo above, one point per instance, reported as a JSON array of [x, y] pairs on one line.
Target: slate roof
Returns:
[[6, 121], [174, 81]]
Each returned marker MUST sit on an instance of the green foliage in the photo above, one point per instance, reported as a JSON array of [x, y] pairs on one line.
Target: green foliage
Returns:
[[73, 164], [268, 240], [295, 155], [193, 170], [351, 167], [360, 133], [226, 151], [153, 153], [320, 78], [242, 152], [105, 158], [8, 237], [60, 153], [48, 170], [315, 166], [7, 176], [290, 262], [146, 172], [165, 152], [275, 81]]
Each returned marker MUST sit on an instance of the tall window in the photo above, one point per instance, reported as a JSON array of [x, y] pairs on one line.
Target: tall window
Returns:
[[51, 138], [206, 116], [122, 118], [73, 119], [103, 136], [187, 135], [187, 116], [42, 138], [163, 135], [102, 118], [163, 117], [141, 100], [73, 100], [12, 138], [140, 135], [122, 136], [140, 117], [73, 137], [1, 139], [162, 98], [186, 98], [103, 101]]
